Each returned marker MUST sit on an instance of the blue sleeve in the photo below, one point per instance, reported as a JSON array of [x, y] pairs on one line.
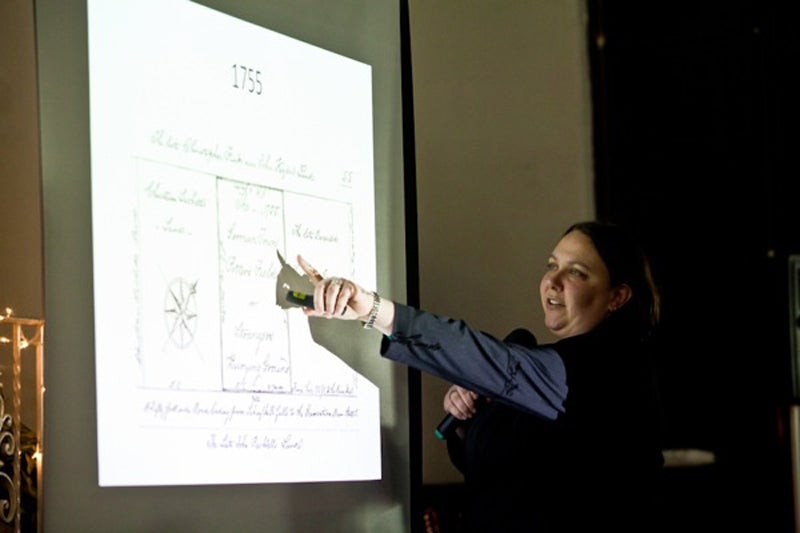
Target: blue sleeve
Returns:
[[529, 377]]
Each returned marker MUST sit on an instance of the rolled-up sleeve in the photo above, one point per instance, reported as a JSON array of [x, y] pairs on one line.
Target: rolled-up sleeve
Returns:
[[530, 377]]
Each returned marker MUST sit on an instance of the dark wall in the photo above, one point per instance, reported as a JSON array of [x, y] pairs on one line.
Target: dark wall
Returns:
[[696, 120]]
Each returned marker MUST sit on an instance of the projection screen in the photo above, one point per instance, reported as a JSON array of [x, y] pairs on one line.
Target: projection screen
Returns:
[[203, 145], [219, 148]]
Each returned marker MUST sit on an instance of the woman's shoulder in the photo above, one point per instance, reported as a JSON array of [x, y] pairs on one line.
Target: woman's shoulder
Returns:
[[603, 345]]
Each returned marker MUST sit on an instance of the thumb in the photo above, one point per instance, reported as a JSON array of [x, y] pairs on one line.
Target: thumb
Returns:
[[310, 271]]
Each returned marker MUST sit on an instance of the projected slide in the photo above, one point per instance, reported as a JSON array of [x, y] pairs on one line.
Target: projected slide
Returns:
[[217, 145]]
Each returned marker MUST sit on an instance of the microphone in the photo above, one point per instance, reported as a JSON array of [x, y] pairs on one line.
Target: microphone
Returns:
[[449, 423]]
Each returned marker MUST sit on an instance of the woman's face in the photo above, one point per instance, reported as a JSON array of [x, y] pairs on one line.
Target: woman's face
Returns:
[[575, 290]]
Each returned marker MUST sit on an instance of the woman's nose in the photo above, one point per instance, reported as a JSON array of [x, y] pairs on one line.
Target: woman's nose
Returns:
[[551, 278]]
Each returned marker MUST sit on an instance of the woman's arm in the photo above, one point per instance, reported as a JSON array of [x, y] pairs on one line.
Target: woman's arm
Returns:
[[529, 377], [532, 378]]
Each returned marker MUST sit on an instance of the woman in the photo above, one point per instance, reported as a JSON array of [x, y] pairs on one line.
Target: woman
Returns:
[[567, 438]]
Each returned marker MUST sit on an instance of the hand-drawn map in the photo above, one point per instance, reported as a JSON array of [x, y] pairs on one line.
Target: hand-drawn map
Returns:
[[215, 144]]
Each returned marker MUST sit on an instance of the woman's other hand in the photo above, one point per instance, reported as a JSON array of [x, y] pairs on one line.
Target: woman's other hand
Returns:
[[460, 402]]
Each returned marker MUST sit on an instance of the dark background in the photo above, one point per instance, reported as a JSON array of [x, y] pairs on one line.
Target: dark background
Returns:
[[696, 118], [696, 115]]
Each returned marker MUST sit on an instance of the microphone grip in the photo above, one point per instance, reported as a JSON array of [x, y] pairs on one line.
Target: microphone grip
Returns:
[[448, 424]]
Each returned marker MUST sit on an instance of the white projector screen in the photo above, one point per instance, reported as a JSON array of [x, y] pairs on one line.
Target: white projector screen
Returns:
[[166, 350], [216, 146]]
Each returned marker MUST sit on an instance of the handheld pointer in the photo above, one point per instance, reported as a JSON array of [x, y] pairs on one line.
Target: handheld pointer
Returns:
[[306, 300]]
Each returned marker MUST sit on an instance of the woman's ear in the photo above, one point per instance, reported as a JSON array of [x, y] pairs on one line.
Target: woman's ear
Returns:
[[619, 296]]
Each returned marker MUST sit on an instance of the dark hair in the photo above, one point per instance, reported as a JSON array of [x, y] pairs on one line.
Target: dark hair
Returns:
[[627, 264]]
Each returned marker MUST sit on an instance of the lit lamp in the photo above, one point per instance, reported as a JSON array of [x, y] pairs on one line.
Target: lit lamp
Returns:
[[13, 451]]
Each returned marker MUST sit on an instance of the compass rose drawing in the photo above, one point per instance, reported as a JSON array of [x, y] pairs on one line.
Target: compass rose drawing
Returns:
[[180, 312]]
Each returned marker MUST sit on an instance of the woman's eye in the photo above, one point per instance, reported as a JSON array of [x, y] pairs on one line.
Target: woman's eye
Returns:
[[577, 272]]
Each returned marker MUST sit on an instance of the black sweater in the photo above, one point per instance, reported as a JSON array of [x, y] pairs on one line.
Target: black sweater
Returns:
[[567, 438]]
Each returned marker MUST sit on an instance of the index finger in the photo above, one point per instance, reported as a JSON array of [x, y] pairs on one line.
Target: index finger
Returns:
[[310, 271]]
